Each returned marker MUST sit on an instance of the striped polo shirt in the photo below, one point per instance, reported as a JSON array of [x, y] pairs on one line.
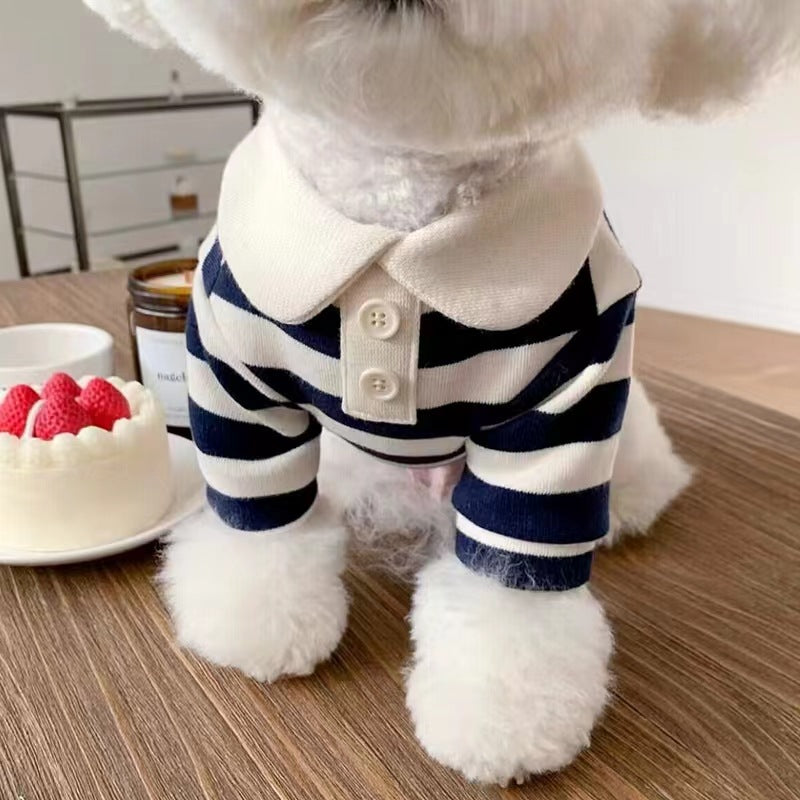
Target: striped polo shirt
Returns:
[[487, 335]]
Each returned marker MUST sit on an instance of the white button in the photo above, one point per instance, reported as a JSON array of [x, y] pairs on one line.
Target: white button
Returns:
[[379, 319], [380, 384]]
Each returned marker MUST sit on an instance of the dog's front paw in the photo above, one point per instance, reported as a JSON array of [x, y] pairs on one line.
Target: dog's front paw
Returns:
[[267, 604], [505, 683]]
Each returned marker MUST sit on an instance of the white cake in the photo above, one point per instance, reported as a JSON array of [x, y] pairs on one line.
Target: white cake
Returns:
[[86, 489]]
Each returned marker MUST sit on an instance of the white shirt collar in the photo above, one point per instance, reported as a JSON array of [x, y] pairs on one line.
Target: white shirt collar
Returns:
[[495, 265]]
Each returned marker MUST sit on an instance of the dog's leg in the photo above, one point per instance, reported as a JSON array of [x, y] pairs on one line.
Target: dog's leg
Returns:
[[505, 682], [648, 475], [270, 604], [256, 582], [511, 656]]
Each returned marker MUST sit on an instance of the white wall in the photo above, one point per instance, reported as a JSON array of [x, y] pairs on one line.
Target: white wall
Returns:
[[711, 214], [74, 54]]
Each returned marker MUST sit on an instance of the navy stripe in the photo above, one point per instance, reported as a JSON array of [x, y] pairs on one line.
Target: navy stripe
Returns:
[[568, 518], [524, 572], [211, 267], [244, 441], [240, 390], [262, 513], [444, 341], [413, 461], [194, 344], [321, 333], [596, 417]]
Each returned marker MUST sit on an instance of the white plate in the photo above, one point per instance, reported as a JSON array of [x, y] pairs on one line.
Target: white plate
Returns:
[[189, 498]]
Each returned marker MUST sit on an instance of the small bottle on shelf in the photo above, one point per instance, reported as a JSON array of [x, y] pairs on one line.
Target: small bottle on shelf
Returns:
[[184, 201]]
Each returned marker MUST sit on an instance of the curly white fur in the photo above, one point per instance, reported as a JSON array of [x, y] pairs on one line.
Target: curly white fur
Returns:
[[648, 474], [396, 186], [457, 75], [395, 526], [268, 604], [505, 683], [398, 526]]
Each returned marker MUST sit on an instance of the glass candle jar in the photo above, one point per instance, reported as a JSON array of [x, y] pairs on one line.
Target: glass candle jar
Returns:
[[158, 303]]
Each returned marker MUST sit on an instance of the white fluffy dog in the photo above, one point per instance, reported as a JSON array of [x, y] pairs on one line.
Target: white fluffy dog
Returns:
[[387, 118]]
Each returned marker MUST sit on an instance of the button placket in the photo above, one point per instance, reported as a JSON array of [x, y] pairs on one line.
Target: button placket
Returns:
[[380, 343]]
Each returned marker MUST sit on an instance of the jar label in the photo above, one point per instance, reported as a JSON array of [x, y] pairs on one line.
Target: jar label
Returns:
[[162, 360]]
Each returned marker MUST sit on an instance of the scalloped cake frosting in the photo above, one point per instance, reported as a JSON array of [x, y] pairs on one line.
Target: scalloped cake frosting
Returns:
[[86, 489]]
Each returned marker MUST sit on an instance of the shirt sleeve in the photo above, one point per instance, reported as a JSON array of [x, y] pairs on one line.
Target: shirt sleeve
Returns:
[[258, 454], [534, 498]]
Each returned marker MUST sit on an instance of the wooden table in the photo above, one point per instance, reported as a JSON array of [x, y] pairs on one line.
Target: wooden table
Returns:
[[96, 701]]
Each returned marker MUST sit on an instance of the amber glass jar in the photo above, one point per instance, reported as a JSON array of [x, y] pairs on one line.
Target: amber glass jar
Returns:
[[158, 303]]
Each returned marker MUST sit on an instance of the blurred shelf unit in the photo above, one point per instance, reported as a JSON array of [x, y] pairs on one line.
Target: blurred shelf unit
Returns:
[[65, 115]]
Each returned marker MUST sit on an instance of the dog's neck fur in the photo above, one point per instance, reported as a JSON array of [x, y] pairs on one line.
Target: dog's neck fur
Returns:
[[398, 188]]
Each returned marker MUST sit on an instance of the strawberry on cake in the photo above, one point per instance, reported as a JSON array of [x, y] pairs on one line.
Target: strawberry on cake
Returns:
[[82, 463]]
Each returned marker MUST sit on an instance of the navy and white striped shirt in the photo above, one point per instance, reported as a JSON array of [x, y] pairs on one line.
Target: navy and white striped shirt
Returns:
[[536, 407]]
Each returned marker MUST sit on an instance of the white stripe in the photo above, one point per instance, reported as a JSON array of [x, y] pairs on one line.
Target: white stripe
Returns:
[[287, 472], [260, 343], [206, 391], [613, 273], [510, 545], [554, 470], [206, 247], [493, 378], [410, 448], [218, 346], [573, 391]]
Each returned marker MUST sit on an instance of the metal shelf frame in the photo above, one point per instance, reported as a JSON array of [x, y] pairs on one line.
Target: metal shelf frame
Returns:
[[65, 116]]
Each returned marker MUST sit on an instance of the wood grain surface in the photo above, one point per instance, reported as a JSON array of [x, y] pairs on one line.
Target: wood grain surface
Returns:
[[96, 701], [755, 364]]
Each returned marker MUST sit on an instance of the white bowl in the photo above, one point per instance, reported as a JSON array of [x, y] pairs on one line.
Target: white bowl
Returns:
[[32, 353]]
